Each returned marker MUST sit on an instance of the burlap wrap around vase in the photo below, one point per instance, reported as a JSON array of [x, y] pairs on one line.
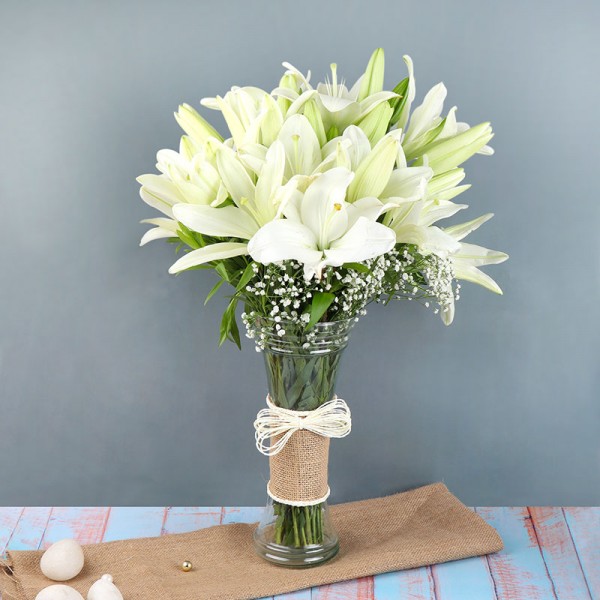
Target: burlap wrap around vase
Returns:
[[299, 470]]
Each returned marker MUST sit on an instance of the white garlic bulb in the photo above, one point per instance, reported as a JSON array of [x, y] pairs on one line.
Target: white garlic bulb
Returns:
[[104, 589], [62, 561], [59, 592]]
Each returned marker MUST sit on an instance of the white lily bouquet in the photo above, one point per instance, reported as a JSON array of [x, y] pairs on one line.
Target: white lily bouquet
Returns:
[[319, 201]]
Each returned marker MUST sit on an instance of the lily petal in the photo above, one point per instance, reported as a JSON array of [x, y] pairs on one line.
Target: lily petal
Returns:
[[271, 176], [408, 183], [301, 145], [228, 221], [474, 275], [462, 230], [410, 93], [478, 256], [426, 116], [234, 175], [428, 239], [165, 228], [284, 240], [365, 239], [208, 254]]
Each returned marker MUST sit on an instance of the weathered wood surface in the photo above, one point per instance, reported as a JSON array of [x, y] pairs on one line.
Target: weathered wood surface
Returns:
[[550, 553]]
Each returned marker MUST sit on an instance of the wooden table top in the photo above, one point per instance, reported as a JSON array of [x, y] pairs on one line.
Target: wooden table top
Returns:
[[550, 553]]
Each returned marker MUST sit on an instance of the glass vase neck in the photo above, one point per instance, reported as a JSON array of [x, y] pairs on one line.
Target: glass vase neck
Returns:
[[284, 337]]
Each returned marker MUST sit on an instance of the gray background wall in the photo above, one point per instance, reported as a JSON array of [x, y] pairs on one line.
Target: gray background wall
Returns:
[[112, 388]]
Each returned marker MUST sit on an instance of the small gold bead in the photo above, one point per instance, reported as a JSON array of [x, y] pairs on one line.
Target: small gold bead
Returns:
[[186, 566]]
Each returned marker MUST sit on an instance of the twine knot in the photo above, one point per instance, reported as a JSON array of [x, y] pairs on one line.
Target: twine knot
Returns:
[[332, 419]]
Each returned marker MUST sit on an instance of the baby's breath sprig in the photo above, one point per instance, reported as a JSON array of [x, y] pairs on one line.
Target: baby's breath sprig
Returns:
[[278, 295]]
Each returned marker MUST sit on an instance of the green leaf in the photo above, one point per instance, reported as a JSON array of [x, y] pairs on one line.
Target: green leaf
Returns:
[[213, 291], [199, 239], [398, 103], [321, 301], [357, 267], [222, 271], [229, 329], [187, 237], [245, 278]]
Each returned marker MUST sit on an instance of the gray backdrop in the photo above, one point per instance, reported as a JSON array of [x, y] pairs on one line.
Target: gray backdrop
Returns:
[[112, 388]]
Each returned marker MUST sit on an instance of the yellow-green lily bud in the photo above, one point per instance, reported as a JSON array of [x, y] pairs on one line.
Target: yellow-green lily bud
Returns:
[[288, 81], [272, 121], [374, 171], [187, 147], [372, 81], [375, 124], [195, 125], [312, 113], [453, 151], [444, 181]]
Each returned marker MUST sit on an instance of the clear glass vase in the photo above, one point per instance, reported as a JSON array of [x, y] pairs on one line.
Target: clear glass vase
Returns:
[[302, 370]]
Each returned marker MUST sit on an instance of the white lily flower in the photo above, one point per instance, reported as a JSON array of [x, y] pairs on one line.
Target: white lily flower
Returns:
[[339, 106], [322, 229], [413, 224], [252, 115], [189, 176], [254, 204], [446, 142], [383, 180]]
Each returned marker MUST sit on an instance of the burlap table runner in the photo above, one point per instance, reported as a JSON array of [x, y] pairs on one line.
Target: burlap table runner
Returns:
[[421, 527]]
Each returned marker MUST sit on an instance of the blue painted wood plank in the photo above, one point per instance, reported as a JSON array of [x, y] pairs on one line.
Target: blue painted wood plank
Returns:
[[584, 526], [463, 579], [125, 522], [241, 514], [9, 517], [85, 524], [29, 531], [559, 553], [357, 589], [519, 570], [416, 584], [181, 519]]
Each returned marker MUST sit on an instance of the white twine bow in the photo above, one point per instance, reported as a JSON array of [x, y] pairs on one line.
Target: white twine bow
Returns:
[[332, 419]]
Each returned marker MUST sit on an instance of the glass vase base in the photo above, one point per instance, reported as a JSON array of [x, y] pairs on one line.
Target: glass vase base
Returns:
[[296, 558]]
